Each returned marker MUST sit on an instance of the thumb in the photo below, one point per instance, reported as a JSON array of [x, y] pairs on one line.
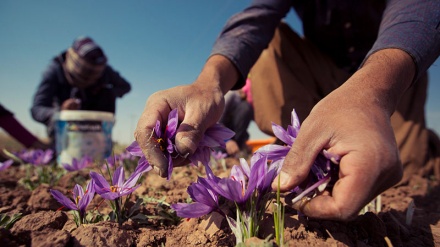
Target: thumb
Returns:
[[299, 160]]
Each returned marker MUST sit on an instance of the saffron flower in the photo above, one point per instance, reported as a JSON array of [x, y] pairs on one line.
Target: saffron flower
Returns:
[[78, 164], [37, 157], [118, 188], [80, 199], [6, 164], [246, 181], [214, 136], [322, 168], [205, 201]]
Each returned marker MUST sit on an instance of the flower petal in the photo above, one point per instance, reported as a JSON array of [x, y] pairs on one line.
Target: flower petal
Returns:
[[63, 200], [193, 210], [171, 128], [135, 149], [101, 185], [118, 177]]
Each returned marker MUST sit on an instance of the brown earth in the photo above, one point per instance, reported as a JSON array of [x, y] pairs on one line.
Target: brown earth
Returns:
[[43, 224]]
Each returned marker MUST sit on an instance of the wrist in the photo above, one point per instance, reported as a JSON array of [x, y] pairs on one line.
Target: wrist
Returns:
[[219, 72]]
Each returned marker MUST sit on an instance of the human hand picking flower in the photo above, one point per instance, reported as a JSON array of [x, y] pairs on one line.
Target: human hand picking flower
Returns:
[[353, 122], [199, 107]]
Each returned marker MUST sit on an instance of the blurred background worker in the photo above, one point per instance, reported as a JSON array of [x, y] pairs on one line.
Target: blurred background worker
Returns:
[[237, 116], [77, 79], [16, 130]]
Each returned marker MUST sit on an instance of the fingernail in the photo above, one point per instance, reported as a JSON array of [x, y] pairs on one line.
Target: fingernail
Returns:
[[284, 178], [156, 169]]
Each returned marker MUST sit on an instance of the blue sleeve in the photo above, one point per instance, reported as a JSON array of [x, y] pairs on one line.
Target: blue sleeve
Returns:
[[42, 108], [412, 26], [248, 33]]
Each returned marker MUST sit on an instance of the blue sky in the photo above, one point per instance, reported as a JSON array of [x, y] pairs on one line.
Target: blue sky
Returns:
[[153, 44]]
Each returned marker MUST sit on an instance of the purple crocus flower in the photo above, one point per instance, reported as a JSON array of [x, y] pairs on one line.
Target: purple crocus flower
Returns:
[[244, 181], [6, 164], [37, 157], [205, 199], [78, 164], [214, 136], [119, 187], [322, 167], [80, 198], [288, 136]]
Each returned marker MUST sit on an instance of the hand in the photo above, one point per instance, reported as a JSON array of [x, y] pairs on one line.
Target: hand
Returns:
[[232, 147], [354, 123], [199, 105], [71, 104]]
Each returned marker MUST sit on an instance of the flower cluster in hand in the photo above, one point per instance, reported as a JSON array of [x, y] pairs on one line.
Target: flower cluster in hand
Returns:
[[321, 170], [214, 136]]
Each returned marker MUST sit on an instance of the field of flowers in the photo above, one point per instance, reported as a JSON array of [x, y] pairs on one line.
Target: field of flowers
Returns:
[[217, 201]]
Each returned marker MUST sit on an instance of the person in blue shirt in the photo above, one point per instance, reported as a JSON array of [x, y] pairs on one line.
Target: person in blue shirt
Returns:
[[357, 80], [77, 79]]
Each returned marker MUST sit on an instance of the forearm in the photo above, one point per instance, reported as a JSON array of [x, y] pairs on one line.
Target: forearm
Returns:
[[384, 77], [43, 114], [218, 74]]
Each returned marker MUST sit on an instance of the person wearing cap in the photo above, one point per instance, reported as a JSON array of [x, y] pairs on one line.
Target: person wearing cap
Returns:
[[237, 115], [77, 79]]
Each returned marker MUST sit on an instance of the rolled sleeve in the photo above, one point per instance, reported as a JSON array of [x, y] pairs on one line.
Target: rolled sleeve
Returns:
[[412, 26], [248, 33]]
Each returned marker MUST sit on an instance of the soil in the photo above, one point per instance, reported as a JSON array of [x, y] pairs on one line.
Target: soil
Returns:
[[43, 223]]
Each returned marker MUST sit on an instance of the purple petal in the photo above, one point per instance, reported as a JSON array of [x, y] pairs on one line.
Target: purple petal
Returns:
[[193, 210], [63, 200], [128, 190], [157, 129], [6, 164], [170, 167], [132, 180], [77, 191], [143, 166], [101, 185], [109, 195], [229, 189], [87, 197], [294, 128], [282, 134], [135, 149], [274, 152], [199, 193], [118, 177], [171, 128]]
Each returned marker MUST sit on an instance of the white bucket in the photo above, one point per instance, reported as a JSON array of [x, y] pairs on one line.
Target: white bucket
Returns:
[[83, 133]]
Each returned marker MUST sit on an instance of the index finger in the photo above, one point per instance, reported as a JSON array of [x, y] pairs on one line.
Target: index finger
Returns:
[[144, 135]]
